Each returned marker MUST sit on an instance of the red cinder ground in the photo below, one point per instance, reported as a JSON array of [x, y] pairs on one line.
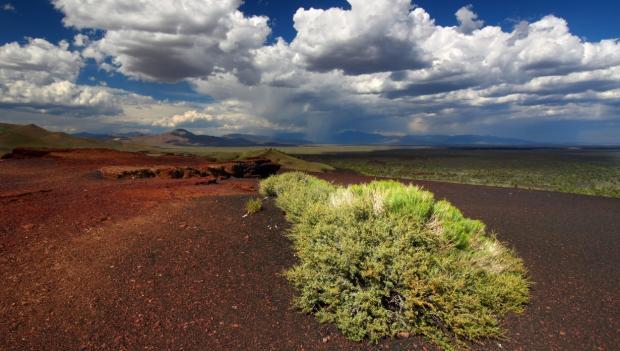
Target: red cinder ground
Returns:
[[88, 263]]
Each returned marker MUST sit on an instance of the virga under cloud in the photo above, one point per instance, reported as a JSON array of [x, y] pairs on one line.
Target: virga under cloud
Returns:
[[382, 66]]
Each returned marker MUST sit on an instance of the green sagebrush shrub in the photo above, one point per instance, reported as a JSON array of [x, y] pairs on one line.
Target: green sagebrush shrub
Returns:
[[382, 258]]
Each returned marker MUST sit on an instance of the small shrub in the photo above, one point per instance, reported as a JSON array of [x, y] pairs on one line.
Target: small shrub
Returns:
[[383, 258], [253, 205], [301, 190]]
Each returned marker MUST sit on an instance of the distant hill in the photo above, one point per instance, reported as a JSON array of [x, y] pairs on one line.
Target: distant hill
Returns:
[[462, 140], [358, 138], [256, 139], [291, 138], [362, 138], [275, 140], [109, 137], [31, 135], [183, 137]]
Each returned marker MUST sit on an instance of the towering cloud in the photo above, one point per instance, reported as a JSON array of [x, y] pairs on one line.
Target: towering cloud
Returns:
[[170, 40], [374, 36]]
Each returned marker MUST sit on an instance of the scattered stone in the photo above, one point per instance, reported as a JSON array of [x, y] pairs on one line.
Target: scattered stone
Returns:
[[28, 226], [403, 335], [210, 180], [120, 172]]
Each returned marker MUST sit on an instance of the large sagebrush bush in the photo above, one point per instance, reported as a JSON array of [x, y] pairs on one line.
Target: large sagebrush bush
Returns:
[[383, 258]]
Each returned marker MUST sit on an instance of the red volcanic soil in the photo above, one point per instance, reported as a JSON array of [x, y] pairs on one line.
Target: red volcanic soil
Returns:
[[91, 263]]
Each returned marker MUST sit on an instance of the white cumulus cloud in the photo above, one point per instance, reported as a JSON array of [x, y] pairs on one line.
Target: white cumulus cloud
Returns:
[[170, 40], [225, 117], [39, 75], [373, 36]]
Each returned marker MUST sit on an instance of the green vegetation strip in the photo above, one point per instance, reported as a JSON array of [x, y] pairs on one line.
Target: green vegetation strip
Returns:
[[383, 258], [588, 172]]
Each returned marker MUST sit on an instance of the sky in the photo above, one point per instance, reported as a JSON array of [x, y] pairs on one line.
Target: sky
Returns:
[[546, 71]]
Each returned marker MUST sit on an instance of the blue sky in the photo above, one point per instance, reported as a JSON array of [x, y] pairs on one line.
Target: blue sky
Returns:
[[598, 20], [541, 70]]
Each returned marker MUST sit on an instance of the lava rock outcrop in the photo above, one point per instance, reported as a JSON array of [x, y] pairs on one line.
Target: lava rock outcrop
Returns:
[[254, 168]]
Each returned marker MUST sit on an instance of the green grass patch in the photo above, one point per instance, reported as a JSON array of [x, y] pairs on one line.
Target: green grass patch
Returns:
[[383, 258], [253, 206]]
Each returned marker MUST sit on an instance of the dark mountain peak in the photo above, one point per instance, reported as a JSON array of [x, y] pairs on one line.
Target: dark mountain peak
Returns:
[[181, 132], [33, 126]]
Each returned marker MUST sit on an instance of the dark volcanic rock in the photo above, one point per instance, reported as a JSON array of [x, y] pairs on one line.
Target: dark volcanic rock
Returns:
[[254, 168], [120, 172]]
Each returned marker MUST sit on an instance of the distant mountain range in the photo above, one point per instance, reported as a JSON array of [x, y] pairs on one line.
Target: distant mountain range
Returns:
[[114, 136], [13, 135], [183, 137], [281, 139], [362, 138]]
